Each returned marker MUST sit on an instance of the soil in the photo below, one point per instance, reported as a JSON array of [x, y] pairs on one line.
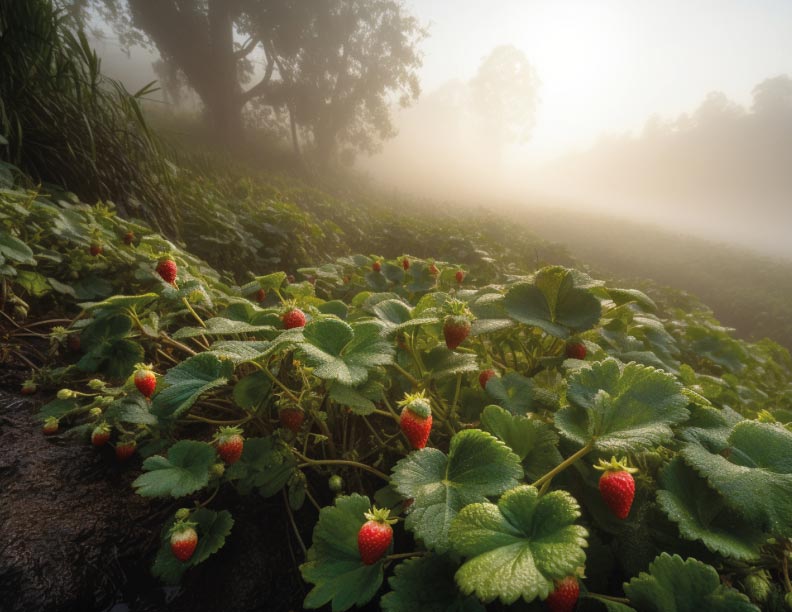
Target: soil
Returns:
[[74, 536]]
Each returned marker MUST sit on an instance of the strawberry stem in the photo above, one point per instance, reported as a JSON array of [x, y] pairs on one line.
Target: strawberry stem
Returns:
[[308, 462], [565, 464]]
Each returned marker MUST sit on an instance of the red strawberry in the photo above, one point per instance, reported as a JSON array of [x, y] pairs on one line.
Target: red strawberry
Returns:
[[376, 266], [416, 419], [183, 540], [125, 449], [406, 263], [375, 535], [455, 329], [261, 295], [167, 269], [73, 342], [575, 350], [100, 435], [293, 318], [51, 426], [129, 238], [565, 596], [229, 444], [485, 376], [346, 279], [291, 418], [617, 486], [460, 276], [28, 388], [433, 270], [96, 249], [146, 382]]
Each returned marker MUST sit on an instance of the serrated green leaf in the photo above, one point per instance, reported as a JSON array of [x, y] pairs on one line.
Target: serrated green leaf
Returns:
[[519, 547], [358, 400], [623, 408], [15, 250], [120, 303], [184, 471], [441, 363], [477, 466], [674, 585], [218, 326], [188, 381], [755, 476], [343, 352], [427, 585], [534, 442], [265, 466], [34, 283], [253, 389], [513, 392], [130, 409], [701, 514], [240, 351], [334, 566], [553, 303]]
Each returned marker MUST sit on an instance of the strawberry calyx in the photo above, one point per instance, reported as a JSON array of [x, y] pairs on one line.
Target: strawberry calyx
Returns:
[[614, 465], [418, 404], [224, 433], [380, 515]]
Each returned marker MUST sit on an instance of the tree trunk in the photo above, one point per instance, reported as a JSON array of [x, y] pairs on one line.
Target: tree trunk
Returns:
[[294, 135]]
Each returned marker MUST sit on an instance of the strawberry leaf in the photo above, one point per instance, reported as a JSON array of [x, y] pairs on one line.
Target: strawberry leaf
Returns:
[[343, 352], [188, 381], [15, 250], [359, 400], [427, 584], [702, 514], [755, 478], [218, 326], [265, 465], [683, 586], [519, 547], [477, 466], [534, 442], [184, 471], [396, 316], [553, 303], [441, 363], [622, 408], [252, 390], [334, 566], [513, 392], [130, 409]]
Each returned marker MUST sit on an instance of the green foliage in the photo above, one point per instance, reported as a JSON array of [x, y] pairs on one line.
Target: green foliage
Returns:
[[621, 408], [188, 381], [674, 585], [184, 471], [519, 547], [478, 465], [334, 566]]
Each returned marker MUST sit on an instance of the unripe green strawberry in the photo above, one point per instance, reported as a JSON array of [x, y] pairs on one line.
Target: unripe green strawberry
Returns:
[[230, 444], [565, 596], [217, 470], [575, 350], [460, 276], [125, 449], [617, 486], [375, 535], [183, 540], [406, 263], [145, 381], [455, 330], [168, 270], [293, 318], [96, 249], [28, 387], [485, 376], [376, 266], [416, 419], [291, 418], [757, 586], [100, 434], [336, 483], [51, 426]]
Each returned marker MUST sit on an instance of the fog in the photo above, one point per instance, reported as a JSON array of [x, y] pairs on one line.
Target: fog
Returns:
[[722, 170], [646, 112]]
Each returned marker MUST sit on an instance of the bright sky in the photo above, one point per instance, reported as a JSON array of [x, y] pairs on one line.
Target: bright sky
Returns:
[[607, 65]]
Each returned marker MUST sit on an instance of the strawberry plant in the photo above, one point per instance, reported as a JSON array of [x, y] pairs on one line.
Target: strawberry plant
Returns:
[[443, 433]]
